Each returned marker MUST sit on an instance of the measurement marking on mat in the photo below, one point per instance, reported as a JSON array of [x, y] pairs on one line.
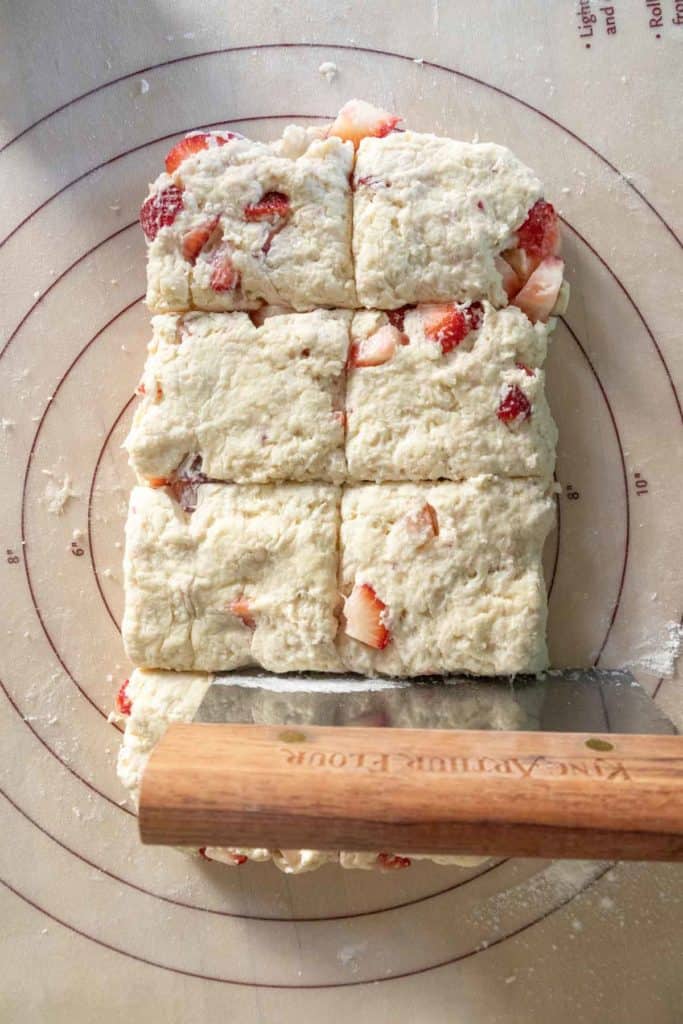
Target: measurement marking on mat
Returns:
[[641, 484], [571, 492], [12, 557], [76, 549]]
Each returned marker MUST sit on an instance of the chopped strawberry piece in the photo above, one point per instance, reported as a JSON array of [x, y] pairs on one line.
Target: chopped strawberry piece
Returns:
[[515, 407], [158, 392], [521, 263], [358, 120], [539, 235], [186, 480], [363, 614], [340, 417], [511, 282], [242, 609], [392, 862], [140, 389], [272, 204], [158, 481], [448, 325], [195, 240], [397, 317], [527, 369], [239, 858], [424, 522], [224, 277], [192, 144], [474, 314], [160, 210], [377, 349], [123, 703], [202, 853], [538, 296]]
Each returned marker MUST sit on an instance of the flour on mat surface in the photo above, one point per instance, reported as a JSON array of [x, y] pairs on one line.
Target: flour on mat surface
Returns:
[[658, 652], [58, 491]]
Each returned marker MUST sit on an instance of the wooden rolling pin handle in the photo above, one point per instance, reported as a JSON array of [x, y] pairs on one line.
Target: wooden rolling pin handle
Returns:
[[529, 794]]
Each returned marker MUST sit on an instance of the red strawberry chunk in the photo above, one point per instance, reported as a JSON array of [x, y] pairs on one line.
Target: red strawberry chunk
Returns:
[[448, 325], [195, 240], [358, 120], [515, 406], [392, 862], [239, 858], [224, 277], [424, 522], [363, 614], [539, 235], [192, 144], [272, 204], [474, 314], [160, 210], [377, 349], [242, 609], [123, 703], [397, 317], [527, 369]]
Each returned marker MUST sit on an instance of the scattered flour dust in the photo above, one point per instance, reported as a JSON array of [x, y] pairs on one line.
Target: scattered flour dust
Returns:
[[328, 70], [658, 653], [58, 491]]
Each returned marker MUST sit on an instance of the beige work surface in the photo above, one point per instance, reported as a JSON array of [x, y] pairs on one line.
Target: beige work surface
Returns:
[[95, 928]]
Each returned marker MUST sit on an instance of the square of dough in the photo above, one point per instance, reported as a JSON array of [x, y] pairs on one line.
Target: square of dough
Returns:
[[469, 597], [429, 216], [248, 578], [258, 404], [425, 415], [302, 260]]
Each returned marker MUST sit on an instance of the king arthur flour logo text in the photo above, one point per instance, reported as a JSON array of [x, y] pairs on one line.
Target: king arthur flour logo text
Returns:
[[520, 767]]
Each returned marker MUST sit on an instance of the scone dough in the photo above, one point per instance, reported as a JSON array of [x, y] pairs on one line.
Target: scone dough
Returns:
[[305, 262], [425, 415], [470, 598], [249, 578], [258, 404], [429, 216]]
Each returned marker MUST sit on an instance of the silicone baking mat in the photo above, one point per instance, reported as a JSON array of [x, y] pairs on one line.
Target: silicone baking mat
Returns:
[[96, 927]]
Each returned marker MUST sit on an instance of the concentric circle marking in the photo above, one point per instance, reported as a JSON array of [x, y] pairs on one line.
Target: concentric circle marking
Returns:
[[449, 961]]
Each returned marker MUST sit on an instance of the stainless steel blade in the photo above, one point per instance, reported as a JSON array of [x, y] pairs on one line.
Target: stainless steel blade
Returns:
[[576, 700]]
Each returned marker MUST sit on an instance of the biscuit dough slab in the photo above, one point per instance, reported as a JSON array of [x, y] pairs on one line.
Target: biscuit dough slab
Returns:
[[302, 259], [425, 415], [470, 598], [430, 214], [258, 404], [248, 578]]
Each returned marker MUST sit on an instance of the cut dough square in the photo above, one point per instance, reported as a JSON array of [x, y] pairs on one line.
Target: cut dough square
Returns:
[[248, 578], [431, 214], [242, 223], [255, 404], [444, 577], [430, 411]]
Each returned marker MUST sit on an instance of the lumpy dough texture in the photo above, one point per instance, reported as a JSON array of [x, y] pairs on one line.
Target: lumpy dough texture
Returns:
[[468, 598], [425, 414], [249, 578], [302, 259], [258, 404], [430, 214]]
